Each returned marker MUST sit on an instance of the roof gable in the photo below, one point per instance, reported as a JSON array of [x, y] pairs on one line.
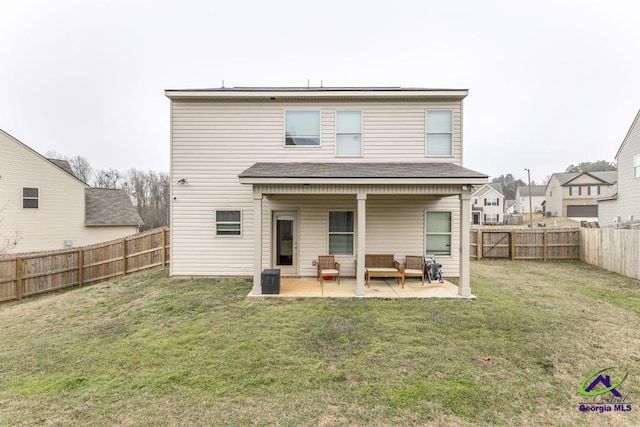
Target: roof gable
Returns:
[[56, 165], [624, 141], [605, 177]]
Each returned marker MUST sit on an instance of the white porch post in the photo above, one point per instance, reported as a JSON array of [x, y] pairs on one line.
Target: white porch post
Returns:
[[465, 228], [362, 232], [257, 244]]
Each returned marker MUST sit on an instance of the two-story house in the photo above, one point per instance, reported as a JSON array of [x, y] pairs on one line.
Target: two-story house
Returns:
[[274, 177], [575, 195], [536, 201], [623, 205], [43, 206], [487, 204]]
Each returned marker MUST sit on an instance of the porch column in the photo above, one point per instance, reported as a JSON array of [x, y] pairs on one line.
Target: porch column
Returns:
[[362, 232], [465, 228], [257, 244]]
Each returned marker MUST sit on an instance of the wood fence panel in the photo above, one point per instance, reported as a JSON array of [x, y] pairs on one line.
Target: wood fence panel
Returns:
[[522, 244], [36, 273], [613, 249]]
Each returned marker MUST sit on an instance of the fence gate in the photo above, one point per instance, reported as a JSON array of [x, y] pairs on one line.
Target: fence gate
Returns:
[[496, 244]]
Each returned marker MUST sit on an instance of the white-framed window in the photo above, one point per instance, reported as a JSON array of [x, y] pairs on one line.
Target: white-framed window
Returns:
[[492, 201], [228, 223], [302, 128], [439, 126], [594, 190], [438, 233], [491, 217], [341, 232], [30, 198], [636, 166], [348, 133], [574, 190], [475, 201]]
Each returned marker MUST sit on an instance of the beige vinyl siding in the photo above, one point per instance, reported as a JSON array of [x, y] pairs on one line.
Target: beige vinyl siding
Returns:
[[61, 203], [212, 142], [554, 196], [628, 201]]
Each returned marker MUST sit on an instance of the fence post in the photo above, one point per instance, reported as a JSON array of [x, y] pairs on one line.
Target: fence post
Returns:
[[80, 261], [479, 248], [164, 247], [124, 257], [512, 245], [544, 245], [19, 284]]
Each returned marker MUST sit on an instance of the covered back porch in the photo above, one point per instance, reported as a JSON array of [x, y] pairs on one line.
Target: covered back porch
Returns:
[[304, 194]]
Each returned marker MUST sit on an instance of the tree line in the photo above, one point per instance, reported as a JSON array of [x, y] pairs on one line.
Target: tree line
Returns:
[[149, 190]]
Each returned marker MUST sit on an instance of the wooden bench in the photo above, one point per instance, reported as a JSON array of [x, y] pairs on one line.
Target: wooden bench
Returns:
[[382, 266]]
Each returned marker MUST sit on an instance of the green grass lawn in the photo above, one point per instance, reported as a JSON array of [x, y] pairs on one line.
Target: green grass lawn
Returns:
[[150, 350]]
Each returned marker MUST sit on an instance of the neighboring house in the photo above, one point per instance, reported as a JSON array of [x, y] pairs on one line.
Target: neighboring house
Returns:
[[48, 208], [537, 198], [623, 205], [268, 178], [575, 195], [487, 204], [509, 207]]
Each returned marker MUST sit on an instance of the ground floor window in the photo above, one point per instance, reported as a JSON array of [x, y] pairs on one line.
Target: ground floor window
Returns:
[[341, 232], [228, 223], [491, 217], [438, 233]]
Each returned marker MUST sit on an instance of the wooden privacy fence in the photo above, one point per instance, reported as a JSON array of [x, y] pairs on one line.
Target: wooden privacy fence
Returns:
[[612, 249], [41, 272], [522, 244]]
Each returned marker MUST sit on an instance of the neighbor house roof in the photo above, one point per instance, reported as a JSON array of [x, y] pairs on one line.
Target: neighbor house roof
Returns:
[[105, 206], [377, 172], [64, 165], [608, 177], [536, 190], [495, 186]]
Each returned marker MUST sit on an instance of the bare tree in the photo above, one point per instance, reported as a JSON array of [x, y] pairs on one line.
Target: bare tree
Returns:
[[149, 191], [8, 240], [107, 178], [81, 168]]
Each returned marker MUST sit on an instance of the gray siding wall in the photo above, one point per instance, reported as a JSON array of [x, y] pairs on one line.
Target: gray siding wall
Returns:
[[628, 202], [211, 143]]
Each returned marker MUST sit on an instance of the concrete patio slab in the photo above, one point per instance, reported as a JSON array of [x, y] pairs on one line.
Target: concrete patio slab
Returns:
[[309, 287]]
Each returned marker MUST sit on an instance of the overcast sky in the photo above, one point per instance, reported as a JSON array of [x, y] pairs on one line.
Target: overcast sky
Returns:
[[551, 82]]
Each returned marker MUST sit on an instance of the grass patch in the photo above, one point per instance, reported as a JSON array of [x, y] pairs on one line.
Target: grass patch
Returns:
[[151, 350]]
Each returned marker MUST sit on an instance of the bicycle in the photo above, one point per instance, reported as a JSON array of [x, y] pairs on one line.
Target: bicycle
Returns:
[[433, 269]]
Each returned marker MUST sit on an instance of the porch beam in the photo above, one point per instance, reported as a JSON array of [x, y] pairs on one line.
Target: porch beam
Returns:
[[464, 288], [362, 232], [257, 244]]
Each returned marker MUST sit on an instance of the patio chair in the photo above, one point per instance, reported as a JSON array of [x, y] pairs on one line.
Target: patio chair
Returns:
[[327, 266], [414, 267]]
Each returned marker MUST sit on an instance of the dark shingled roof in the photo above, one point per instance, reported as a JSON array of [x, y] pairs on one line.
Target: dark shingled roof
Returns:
[[63, 164], [109, 207], [359, 170], [609, 177]]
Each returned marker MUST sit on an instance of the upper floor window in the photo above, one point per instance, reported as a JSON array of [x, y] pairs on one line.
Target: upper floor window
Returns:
[[228, 223], [574, 190], [492, 202], [594, 190], [438, 233], [349, 133], [439, 132], [29, 198], [302, 127], [636, 166]]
